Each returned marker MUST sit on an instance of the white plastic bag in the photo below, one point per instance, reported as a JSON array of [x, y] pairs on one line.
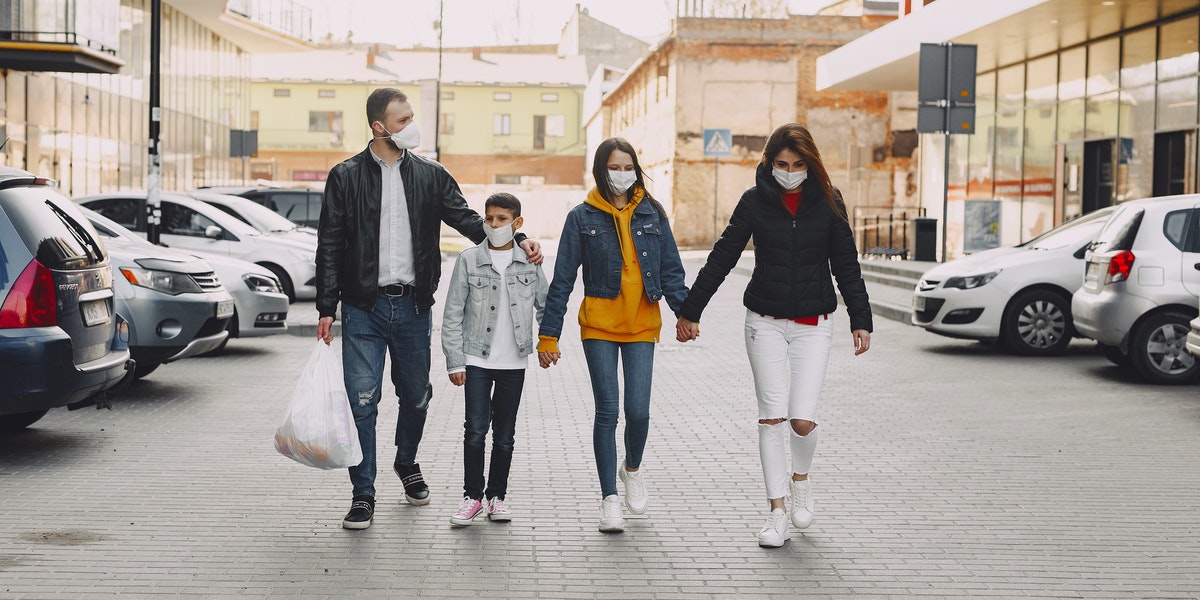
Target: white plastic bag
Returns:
[[318, 428]]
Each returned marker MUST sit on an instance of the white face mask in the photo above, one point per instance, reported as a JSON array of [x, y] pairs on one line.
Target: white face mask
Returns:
[[620, 181], [499, 236], [407, 138], [789, 181]]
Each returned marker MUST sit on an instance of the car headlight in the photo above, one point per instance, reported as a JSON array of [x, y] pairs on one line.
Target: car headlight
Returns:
[[971, 281], [166, 282], [261, 283]]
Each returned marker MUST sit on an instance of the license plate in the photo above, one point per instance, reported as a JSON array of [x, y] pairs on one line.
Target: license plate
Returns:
[[918, 303], [95, 312], [224, 309]]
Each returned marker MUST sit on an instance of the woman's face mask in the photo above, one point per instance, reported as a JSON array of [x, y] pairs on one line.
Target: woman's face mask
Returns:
[[620, 181], [789, 181]]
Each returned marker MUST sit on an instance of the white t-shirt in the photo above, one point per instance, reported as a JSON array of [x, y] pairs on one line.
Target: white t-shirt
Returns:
[[503, 353]]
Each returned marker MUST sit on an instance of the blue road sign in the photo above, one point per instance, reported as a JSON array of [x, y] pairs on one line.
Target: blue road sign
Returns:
[[718, 142]]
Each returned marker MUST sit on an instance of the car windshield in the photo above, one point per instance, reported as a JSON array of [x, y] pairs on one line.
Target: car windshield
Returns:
[[1073, 233], [259, 216]]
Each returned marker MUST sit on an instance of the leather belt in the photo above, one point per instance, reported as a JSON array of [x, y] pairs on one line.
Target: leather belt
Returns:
[[397, 289]]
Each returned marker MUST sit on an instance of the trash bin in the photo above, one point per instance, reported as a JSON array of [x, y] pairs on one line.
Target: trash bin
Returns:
[[925, 239]]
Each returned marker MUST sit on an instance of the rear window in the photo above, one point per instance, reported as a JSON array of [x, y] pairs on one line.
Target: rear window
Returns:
[[53, 229], [1175, 226], [1120, 231]]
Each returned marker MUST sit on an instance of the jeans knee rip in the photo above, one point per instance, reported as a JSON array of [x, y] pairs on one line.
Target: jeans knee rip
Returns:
[[364, 398]]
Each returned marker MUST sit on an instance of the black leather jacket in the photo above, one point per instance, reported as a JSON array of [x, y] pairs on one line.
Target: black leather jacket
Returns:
[[348, 236], [794, 257]]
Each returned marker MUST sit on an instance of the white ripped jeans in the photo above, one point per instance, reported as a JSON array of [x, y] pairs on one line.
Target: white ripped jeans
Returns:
[[788, 360]]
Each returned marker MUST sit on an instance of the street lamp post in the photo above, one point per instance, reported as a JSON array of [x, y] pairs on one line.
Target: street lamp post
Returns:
[[154, 178], [437, 103]]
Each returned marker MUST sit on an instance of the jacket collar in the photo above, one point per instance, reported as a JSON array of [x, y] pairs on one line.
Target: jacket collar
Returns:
[[484, 257]]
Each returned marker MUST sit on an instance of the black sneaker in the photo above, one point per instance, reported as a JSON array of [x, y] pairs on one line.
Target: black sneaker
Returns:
[[414, 484], [362, 509]]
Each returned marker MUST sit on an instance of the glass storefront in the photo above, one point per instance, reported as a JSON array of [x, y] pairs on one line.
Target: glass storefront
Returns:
[[1108, 121], [90, 131]]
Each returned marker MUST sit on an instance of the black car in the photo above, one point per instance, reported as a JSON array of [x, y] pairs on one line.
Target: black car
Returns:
[[61, 342], [300, 206]]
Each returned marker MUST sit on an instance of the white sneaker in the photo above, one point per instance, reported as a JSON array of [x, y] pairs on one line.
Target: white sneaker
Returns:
[[802, 504], [775, 531], [636, 497], [610, 514]]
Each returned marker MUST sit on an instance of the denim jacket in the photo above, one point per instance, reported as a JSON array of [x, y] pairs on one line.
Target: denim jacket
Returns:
[[470, 314], [589, 239]]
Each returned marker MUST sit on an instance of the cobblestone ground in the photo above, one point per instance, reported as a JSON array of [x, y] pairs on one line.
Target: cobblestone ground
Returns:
[[946, 469]]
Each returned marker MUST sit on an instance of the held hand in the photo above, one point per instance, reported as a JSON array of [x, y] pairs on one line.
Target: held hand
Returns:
[[458, 378], [533, 251], [686, 330], [545, 359], [862, 341], [325, 330]]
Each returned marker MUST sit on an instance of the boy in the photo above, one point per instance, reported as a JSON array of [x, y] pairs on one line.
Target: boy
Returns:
[[487, 336]]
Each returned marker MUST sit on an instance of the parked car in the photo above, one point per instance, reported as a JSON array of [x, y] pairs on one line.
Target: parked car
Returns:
[[61, 340], [260, 306], [301, 206], [1193, 338], [1141, 287], [1018, 295], [190, 224], [256, 215]]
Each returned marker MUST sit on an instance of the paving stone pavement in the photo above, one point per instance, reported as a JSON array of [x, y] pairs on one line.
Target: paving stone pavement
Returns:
[[946, 469]]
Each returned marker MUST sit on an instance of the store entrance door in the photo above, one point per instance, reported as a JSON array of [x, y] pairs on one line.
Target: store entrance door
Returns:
[[1099, 170], [1174, 163]]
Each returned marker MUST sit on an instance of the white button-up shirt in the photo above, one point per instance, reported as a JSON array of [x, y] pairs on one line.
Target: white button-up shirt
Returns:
[[395, 229]]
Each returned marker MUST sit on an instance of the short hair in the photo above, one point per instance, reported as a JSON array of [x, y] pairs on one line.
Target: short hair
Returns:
[[379, 100], [503, 200]]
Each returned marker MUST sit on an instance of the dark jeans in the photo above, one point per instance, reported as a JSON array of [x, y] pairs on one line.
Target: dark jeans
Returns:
[[492, 395], [637, 362], [395, 328]]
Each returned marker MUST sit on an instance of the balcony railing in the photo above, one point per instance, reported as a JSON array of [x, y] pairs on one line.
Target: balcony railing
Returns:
[[285, 16]]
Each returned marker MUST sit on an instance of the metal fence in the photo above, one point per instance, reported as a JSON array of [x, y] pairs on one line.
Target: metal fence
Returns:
[[885, 231]]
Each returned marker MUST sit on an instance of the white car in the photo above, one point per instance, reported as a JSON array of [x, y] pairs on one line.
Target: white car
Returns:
[[1017, 295], [190, 224], [260, 306], [257, 216]]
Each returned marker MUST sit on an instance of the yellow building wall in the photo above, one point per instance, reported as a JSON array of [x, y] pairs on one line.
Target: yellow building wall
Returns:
[[474, 109]]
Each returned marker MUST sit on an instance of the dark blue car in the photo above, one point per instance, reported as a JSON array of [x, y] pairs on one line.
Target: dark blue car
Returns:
[[61, 343]]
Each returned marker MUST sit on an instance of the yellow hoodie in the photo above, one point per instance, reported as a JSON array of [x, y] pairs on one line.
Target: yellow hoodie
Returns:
[[630, 317]]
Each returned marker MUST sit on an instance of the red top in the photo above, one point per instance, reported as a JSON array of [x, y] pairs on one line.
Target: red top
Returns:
[[792, 200]]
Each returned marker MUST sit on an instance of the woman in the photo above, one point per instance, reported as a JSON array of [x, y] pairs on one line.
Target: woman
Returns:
[[623, 241], [801, 235]]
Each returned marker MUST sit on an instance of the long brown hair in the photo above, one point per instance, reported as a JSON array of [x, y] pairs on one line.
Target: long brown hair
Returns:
[[600, 171], [795, 137]]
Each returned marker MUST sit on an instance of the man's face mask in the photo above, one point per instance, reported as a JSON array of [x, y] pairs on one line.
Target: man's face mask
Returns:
[[405, 139]]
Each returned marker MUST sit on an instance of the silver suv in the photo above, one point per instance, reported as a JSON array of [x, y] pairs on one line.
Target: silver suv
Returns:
[[1141, 285]]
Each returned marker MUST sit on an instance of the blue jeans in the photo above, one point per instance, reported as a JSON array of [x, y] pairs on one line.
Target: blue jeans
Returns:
[[393, 327], [637, 360], [492, 397]]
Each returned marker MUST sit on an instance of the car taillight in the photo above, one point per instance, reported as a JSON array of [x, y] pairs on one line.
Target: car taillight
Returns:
[[1119, 267], [32, 301]]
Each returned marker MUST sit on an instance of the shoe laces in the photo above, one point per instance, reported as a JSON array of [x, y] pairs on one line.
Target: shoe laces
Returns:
[[467, 506], [637, 487], [497, 506], [775, 521], [803, 493], [611, 508], [363, 504]]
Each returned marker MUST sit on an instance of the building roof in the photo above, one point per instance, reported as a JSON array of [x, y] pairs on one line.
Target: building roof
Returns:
[[394, 66]]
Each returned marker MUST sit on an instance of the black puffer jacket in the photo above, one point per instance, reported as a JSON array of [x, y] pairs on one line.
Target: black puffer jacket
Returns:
[[793, 257], [348, 237]]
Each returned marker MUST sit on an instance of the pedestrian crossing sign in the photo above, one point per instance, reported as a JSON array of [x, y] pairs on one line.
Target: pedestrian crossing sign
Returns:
[[717, 142]]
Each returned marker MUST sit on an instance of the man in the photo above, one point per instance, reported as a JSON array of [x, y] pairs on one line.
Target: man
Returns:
[[378, 253]]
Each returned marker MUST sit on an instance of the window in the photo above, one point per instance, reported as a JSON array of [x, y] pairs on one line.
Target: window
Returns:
[[283, 93], [125, 211], [327, 93], [511, 179], [447, 95], [1175, 226], [325, 121], [551, 97], [556, 126], [502, 125], [446, 123], [501, 96], [180, 220]]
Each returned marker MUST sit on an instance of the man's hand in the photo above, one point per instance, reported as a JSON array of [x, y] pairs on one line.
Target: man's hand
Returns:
[[686, 331], [533, 251], [458, 378], [862, 341], [325, 330]]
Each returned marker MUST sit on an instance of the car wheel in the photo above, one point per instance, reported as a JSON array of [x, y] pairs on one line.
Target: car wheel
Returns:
[[284, 280], [19, 421], [1037, 323], [1114, 355], [1158, 351]]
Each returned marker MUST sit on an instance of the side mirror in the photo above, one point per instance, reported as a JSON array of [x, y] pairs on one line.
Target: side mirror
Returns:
[[213, 232]]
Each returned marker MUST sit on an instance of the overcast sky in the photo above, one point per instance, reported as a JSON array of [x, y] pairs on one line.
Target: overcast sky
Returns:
[[490, 22]]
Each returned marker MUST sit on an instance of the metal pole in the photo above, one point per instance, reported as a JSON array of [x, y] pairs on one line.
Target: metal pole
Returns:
[[437, 126], [946, 173], [154, 179]]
